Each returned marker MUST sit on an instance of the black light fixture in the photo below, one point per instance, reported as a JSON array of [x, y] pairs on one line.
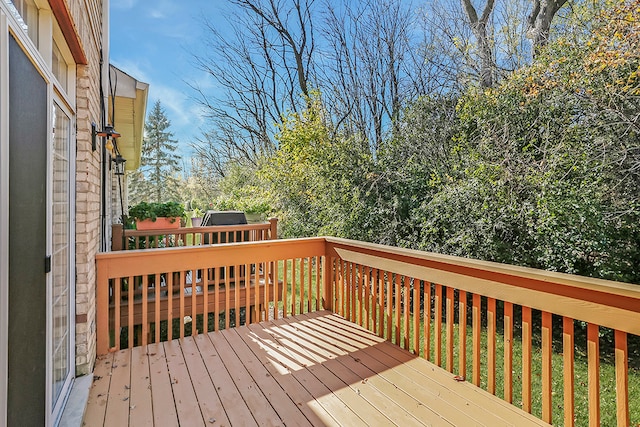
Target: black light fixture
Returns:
[[108, 132], [119, 164]]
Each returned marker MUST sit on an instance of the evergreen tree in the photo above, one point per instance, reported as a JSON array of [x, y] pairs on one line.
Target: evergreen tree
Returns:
[[156, 179]]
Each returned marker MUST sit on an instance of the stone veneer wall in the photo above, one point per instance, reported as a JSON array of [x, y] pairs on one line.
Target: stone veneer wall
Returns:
[[87, 16]]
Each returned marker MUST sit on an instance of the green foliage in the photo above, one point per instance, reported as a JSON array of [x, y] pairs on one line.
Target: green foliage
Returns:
[[549, 179], [542, 170], [157, 178], [152, 211], [241, 190]]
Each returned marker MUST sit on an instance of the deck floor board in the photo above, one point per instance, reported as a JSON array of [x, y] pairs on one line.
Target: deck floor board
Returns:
[[311, 369]]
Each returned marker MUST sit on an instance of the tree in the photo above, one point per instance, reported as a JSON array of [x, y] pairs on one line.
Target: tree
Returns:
[[159, 166], [260, 67], [372, 66], [479, 28]]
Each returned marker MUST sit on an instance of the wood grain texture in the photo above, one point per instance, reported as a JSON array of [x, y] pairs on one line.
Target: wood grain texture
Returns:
[[311, 369]]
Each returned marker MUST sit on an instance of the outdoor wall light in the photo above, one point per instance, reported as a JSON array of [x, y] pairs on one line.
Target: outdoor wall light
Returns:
[[119, 164], [109, 132]]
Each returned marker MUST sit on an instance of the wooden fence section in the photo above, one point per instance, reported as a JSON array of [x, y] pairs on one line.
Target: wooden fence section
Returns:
[[122, 239], [491, 324], [425, 303]]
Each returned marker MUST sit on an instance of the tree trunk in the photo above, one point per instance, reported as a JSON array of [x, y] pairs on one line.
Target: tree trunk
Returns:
[[539, 22], [479, 28]]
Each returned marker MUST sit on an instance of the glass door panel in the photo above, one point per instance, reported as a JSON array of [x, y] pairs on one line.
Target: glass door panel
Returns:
[[60, 260]]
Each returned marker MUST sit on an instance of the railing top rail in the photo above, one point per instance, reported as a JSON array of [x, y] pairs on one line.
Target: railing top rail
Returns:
[[189, 230], [142, 261], [481, 269]]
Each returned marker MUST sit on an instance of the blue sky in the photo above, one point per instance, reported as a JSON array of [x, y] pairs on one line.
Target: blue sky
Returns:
[[153, 41]]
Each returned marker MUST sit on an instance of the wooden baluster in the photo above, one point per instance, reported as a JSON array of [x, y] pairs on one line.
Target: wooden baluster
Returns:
[[339, 288], [302, 297], [117, 285], [546, 366], [235, 285], [276, 290], [353, 292], [397, 299], [227, 295], [347, 290], [145, 319], [508, 352], [205, 300], [375, 308], [526, 359], [449, 328], [380, 279], [568, 344], [389, 284], [416, 317], [285, 289], [268, 289], [293, 287], [318, 292], [380, 290], [130, 296], [462, 333], [476, 325], [593, 361], [438, 325], [622, 379], [248, 291], [367, 296], [309, 284], [491, 345], [157, 307], [427, 320], [216, 298], [405, 303], [256, 293], [360, 278]]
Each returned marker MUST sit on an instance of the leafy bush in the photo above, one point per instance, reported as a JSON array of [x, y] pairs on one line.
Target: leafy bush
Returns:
[[152, 211]]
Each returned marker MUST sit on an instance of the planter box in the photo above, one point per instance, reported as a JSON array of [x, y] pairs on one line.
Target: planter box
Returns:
[[161, 223]]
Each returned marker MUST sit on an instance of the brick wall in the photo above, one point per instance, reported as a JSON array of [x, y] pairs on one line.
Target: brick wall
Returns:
[[87, 16]]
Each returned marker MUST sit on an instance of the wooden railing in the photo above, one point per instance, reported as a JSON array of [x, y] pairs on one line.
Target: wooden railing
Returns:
[[123, 239], [148, 296], [426, 302], [510, 317]]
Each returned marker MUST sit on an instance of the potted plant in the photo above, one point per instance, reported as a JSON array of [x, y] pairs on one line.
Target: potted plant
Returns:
[[196, 217], [155, 216]]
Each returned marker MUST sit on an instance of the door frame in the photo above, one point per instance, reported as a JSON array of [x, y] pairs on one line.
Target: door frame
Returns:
[[4, 214], [55, 411]]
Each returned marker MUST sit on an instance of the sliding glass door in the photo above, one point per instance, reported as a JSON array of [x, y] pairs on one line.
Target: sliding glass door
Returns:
[[61, 301]]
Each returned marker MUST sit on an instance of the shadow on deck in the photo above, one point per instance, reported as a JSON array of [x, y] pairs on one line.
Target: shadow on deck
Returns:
[[312, 369]]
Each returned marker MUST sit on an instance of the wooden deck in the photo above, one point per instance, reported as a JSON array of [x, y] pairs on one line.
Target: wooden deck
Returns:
[[312, 369]]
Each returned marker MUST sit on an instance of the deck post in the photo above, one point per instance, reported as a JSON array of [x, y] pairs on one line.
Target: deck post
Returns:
[[273, 232], [117, 237]]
